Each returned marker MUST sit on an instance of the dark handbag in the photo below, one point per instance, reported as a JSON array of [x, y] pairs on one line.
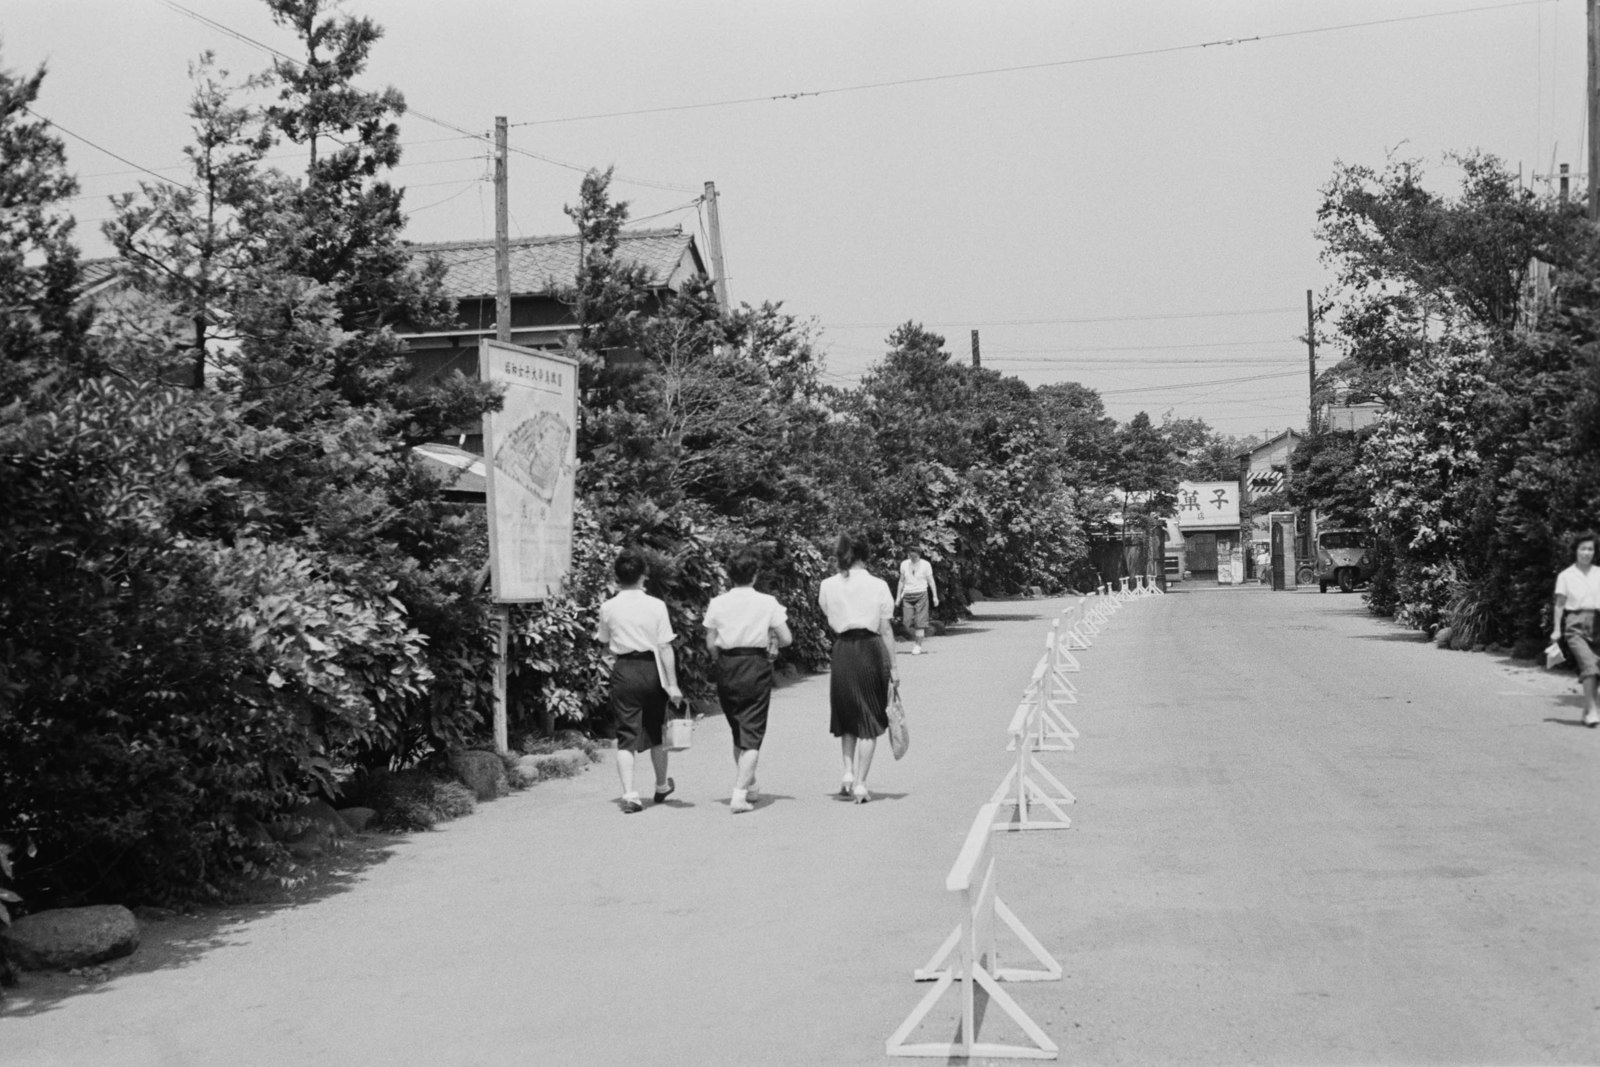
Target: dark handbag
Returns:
[[899, 733]]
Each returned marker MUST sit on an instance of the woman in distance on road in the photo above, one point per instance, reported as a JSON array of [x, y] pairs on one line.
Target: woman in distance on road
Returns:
[[744, 630], [859, 608], [1577, 605]]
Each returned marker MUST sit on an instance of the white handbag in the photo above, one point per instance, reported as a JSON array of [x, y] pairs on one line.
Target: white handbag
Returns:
[[678, 731]]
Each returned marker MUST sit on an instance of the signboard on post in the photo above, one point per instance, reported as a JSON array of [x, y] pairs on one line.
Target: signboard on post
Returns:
[[530, 450]]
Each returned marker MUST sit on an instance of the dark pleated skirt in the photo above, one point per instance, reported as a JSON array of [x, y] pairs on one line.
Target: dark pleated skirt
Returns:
[[858, 690], [638, 704], [744, 689]]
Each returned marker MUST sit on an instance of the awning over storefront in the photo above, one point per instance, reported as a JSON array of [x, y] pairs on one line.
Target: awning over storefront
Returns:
[[461, 471]]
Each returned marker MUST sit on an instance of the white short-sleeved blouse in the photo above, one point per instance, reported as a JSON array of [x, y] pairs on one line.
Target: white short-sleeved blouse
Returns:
[[742, 617], [1581, 590], [855, 600], [634, 621]]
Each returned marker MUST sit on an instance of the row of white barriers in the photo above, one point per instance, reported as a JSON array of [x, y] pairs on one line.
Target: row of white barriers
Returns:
[[1030, 797]]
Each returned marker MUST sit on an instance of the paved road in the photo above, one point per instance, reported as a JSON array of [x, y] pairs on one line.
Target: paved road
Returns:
[[1301, 836]]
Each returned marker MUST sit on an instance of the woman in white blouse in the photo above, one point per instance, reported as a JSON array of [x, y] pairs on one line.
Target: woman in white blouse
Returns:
[[744, 630], [1577, 602], [636, 630], [859, 607]]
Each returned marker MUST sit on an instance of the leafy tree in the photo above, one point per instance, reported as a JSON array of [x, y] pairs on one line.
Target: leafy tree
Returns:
[[1481, 391], [186, 245], [41, 333]]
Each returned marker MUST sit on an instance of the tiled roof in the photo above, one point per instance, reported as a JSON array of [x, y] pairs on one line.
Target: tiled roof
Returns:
[[538, 263]]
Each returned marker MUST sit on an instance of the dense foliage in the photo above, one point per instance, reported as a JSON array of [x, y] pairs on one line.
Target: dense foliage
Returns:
[[1483, 462]]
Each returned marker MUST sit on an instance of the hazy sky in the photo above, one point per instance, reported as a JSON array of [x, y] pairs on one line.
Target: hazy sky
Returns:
[[1107, 190]]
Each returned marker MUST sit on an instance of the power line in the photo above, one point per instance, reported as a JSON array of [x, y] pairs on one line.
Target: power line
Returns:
[[107, 151], [1050, 64], [978, 322], [464, 133]]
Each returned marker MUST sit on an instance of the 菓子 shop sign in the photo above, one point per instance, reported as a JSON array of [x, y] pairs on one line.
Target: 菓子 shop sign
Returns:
[[530, 449]]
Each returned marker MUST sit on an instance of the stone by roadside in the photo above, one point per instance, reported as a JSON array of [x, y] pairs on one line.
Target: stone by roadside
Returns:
[[64, 947]]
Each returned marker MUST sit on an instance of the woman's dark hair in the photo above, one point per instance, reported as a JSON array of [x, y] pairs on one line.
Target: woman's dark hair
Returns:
[[629, 566], [1579, 538], [852, 549], [743, 566]]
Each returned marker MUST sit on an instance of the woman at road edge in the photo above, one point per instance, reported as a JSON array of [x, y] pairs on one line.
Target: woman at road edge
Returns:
[[1577, 604]]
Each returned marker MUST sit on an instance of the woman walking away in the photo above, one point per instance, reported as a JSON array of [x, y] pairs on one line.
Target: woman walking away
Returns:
[[636, 630], [1577, 604], [744, 629], [859, 608]]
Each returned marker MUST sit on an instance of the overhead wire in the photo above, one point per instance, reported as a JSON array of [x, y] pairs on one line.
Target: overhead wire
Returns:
[[1018, 68], [188, 12]]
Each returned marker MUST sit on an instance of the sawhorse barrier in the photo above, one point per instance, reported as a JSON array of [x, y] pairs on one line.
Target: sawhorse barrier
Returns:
[[1048, 689], [970, 957], [1027, 784]]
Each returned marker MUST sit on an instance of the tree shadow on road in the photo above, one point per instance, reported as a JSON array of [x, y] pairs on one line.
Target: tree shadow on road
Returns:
[[170, 940]]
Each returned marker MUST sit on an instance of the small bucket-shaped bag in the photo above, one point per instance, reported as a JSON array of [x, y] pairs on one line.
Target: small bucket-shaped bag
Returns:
[[678, 730]]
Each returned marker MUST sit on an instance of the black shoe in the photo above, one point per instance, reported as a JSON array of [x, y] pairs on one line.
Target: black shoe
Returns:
[[632, 805], [662, 794]]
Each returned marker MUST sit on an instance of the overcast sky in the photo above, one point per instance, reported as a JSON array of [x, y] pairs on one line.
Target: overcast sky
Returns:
[[1116, 193]]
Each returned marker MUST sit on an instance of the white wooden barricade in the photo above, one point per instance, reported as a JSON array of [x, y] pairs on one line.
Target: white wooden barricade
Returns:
[[1047, 690], [1027, 785], [1075, 633], [970, 957]]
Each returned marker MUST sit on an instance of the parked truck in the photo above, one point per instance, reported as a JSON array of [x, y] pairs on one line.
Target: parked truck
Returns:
[[1342, 558]]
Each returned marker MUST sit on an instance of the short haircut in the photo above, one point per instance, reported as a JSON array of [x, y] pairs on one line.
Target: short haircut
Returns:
[[1579, 538], [743, 566], [629, 566], [852, 549]]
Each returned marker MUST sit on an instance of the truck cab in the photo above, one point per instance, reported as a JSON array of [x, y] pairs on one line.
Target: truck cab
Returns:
[[1342, 559]]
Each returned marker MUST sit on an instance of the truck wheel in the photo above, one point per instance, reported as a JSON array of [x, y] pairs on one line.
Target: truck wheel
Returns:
[[1347, 580], [1323, 585], [1305, 575]]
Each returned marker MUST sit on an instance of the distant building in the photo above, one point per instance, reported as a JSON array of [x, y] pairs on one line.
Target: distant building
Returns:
[[541, 268], [1352, 417], [1208, 521], [1265, 468]]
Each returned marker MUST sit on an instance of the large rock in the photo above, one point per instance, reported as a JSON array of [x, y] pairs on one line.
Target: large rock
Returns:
[[357, 818], [562, 763], [71, 937], [314, 828], [483, 773]]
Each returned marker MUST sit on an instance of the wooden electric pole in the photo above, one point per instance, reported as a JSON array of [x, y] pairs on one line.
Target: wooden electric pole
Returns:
[[1311, 360], [1593, 111], [977, 359], [714, 235], [502, 332], [502, 245]]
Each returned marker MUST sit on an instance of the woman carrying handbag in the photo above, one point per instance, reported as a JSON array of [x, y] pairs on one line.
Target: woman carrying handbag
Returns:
[[637, 631], [859, 608]]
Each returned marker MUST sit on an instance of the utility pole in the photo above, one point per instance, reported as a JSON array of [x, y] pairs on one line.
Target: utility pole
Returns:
[[502, 332], [502, 246], [714, 235], [1594, 112], [977, 359], [1311, 359]]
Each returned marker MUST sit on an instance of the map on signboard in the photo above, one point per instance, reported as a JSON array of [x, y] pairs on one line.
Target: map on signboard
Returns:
[[532, 454]]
